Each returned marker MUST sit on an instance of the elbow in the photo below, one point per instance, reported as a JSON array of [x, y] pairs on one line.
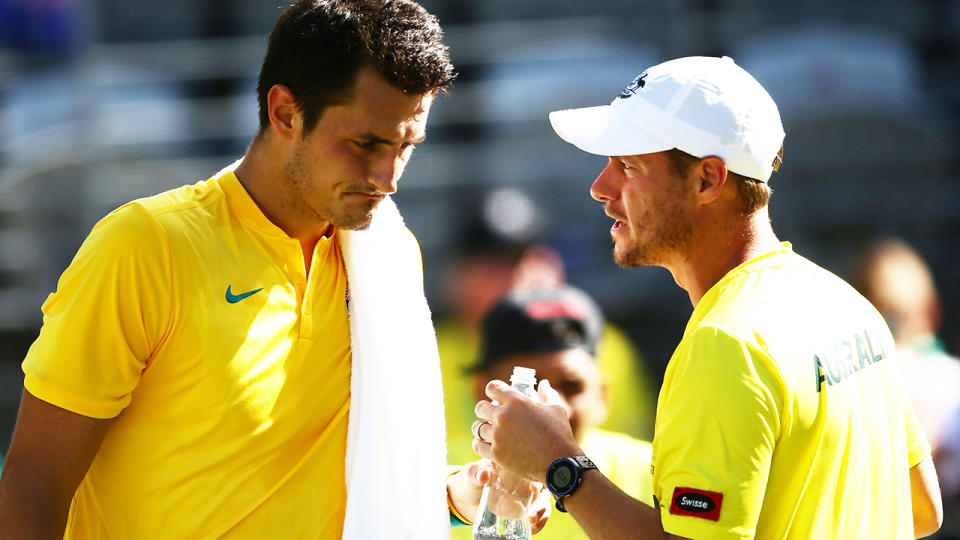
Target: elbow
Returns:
[[926, 499], [928, 523]]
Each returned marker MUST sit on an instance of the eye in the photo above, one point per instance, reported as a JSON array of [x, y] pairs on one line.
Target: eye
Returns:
[[364, 145], [571, 388]]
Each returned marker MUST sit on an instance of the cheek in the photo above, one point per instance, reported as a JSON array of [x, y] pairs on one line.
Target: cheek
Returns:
[[587, 406]]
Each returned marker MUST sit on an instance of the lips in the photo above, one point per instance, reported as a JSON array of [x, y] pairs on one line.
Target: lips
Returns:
[[618, 222], [372, 196]]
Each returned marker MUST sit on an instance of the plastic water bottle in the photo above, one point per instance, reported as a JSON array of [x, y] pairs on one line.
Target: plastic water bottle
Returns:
[[505, 500]]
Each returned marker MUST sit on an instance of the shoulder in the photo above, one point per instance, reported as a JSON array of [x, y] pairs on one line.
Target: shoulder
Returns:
[[198, 199], [130, 231], [714, 359]]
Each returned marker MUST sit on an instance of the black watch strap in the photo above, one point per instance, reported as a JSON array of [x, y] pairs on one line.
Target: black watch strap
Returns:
[[562, 469]]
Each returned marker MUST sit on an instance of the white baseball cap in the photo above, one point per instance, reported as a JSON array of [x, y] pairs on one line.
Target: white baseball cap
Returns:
[[704, 106]]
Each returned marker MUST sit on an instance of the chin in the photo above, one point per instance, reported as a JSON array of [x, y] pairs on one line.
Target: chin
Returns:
[[624, 262], [632, 258], [624, 258], [354, 221], [356, 224]]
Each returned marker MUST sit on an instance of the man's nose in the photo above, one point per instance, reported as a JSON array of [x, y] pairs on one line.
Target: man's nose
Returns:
[[604, 187], [386, 172]]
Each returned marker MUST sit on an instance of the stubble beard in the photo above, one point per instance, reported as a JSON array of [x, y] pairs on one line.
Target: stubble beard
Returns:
[[671, 235], [304, 200]]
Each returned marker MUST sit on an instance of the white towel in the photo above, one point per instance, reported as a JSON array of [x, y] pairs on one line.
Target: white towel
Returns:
[[396, 444]]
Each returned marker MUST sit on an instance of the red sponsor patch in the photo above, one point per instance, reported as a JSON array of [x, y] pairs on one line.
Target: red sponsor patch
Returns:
[[696, 503]]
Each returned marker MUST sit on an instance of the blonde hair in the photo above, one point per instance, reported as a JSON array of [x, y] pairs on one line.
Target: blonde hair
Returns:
[[753, 194]]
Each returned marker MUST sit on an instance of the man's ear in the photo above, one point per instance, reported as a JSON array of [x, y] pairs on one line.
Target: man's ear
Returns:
[[284, 115], [711, 177]]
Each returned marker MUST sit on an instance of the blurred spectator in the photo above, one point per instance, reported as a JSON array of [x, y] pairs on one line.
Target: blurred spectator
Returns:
[[500, 249], [557, 331], [896, 279]]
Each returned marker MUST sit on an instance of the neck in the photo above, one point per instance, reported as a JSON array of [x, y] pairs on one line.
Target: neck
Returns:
[[715, 250], [261, 172]]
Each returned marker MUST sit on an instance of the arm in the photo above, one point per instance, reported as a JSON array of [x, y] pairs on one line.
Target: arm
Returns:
[[51, 451], [465, 486], [925, 498], [603, 511], [527, 437]]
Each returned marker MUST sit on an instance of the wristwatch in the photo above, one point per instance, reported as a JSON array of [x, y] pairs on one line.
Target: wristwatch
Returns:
[[564, 476]]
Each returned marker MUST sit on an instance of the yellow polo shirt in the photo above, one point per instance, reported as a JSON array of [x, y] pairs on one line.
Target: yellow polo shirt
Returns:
[[189, 318], [781, 415]]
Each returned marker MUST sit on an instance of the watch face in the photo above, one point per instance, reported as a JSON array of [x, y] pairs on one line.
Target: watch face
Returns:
[[562, 477]]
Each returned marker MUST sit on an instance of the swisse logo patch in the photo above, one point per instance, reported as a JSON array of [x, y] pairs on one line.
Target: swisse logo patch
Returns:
[[696, 503]]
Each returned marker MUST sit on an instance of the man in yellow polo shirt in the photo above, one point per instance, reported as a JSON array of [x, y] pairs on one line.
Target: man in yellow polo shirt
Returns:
[[781, 414], [200, 373]]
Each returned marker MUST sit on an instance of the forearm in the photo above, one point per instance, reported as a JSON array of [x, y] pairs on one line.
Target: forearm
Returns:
[[926, 499], [51, 451], [605, 512], [27, 510]]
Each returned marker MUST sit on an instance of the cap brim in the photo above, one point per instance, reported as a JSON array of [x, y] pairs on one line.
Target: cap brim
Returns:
[[605, 132]]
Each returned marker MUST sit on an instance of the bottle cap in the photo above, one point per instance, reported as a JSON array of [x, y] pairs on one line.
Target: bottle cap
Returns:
[[522, 375]]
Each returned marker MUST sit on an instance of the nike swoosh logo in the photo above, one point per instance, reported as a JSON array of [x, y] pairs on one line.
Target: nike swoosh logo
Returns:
[[234, 298]]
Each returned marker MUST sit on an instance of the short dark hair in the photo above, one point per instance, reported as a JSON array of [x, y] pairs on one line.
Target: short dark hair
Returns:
[[753, 194], [317, 47]]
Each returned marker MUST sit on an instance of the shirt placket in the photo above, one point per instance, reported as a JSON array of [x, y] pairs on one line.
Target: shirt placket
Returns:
[[297, 276]]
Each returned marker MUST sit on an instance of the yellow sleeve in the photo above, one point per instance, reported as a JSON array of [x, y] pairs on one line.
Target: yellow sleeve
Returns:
[[715, 436], [110, 312], [918, 448]]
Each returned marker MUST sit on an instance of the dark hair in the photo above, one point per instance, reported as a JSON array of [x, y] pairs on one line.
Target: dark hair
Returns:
[[753, 193], [317, 47]]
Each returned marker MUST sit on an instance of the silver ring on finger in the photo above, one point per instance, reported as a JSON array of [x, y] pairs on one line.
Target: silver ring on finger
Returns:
[[476, 431]]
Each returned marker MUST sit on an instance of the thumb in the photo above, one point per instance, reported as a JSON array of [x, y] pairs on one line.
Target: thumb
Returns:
[[547, 394], [478, 472]]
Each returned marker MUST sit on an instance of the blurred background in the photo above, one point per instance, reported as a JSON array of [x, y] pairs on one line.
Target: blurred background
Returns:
[[105, 101]]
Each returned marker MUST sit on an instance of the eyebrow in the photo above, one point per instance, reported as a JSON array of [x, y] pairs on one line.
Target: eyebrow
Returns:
[[371, 137]]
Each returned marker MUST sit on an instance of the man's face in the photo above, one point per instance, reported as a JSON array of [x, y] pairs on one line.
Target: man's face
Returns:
[[573, 373], [355, 154], [650, 204]]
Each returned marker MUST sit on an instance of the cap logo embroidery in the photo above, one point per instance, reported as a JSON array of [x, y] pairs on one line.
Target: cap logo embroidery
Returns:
[[635, 85], [696, 503]]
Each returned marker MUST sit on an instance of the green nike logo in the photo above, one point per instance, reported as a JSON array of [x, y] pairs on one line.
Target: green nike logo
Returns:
[[234, 298]]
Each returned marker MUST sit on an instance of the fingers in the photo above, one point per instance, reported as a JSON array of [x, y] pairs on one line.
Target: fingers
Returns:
[[500, 391], [547, 394], [539, 519], [484, 410], [483, 475], [478, 472], [483, 449], [477, 428], [481, 445]]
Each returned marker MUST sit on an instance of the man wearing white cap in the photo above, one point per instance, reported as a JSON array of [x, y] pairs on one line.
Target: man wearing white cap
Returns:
[[780, 414]]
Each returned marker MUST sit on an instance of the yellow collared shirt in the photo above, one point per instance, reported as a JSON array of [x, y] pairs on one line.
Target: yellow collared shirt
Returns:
[[188, 316], [781, 415]]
